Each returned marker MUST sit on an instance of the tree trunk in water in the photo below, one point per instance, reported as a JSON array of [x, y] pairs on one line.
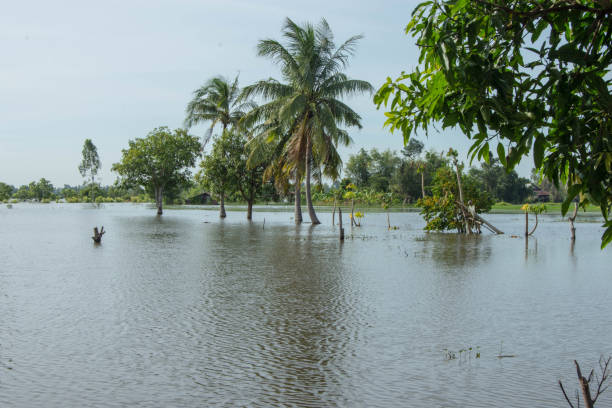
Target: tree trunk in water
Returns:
[[353, 212], [340, 223], [422, 185], [222, 207], [388, 222], [526, 224], [571, 221], [298, 201], [311, 210], [250, 210], [158, 200], [584, 387], [482, 220]]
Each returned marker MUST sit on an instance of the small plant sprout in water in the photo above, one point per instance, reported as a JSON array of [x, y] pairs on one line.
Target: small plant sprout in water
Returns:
[[357, 218], [535, 209], [464, 354], [387, 199]]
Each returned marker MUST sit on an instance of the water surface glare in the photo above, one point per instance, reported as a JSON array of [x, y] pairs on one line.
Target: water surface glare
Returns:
[[188, 310]]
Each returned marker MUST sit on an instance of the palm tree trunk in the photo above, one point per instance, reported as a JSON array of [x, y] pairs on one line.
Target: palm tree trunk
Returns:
[[222, 207], [298, 200], [311, 210], [340, 223]]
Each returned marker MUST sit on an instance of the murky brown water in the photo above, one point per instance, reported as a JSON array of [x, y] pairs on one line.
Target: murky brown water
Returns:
[[190, 311]]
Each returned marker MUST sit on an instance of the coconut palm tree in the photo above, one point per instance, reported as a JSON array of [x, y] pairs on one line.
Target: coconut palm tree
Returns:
[[308, 106], [216, 102]]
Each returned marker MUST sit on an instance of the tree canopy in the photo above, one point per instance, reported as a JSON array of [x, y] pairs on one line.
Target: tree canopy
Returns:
[[160, 162], [90, 163], [516, 77], [217, 102]]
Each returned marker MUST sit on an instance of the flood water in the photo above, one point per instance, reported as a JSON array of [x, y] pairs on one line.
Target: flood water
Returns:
[[187, 310]]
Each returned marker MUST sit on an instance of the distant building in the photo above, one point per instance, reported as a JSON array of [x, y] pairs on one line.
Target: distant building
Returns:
[[202, 198], [540, 195]]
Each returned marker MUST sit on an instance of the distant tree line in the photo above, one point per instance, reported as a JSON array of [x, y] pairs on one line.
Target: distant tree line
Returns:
[[410, 174]]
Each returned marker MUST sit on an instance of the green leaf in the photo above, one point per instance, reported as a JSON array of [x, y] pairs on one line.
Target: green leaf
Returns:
[[538, 151], [501, 154], [606, 238], [572, 192], [485, 153]]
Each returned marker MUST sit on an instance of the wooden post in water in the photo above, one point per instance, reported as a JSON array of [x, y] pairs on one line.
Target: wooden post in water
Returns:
[[97, 238], [340, 223]]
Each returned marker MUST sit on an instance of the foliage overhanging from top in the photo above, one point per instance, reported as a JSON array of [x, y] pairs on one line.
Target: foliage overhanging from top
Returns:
[[517, 77]]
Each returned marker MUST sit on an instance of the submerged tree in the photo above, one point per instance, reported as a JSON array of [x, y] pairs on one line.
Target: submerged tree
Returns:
[[41, 190], [90, 164], [226, 171], [308, 106], [517, 77], [599, 380], [443, 210], [160, 162]]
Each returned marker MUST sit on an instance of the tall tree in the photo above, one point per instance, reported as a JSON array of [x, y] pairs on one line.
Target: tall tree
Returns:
[[527, 75], [90, 163], [160, 162], [308, 104]]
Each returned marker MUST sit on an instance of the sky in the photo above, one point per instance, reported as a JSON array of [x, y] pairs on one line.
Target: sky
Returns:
[[113, 71]]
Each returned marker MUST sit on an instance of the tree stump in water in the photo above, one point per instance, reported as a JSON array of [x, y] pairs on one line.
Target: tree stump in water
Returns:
[[97, 238]]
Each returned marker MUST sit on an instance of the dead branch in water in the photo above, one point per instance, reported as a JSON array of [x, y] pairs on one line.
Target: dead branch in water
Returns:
[[97, 238]]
